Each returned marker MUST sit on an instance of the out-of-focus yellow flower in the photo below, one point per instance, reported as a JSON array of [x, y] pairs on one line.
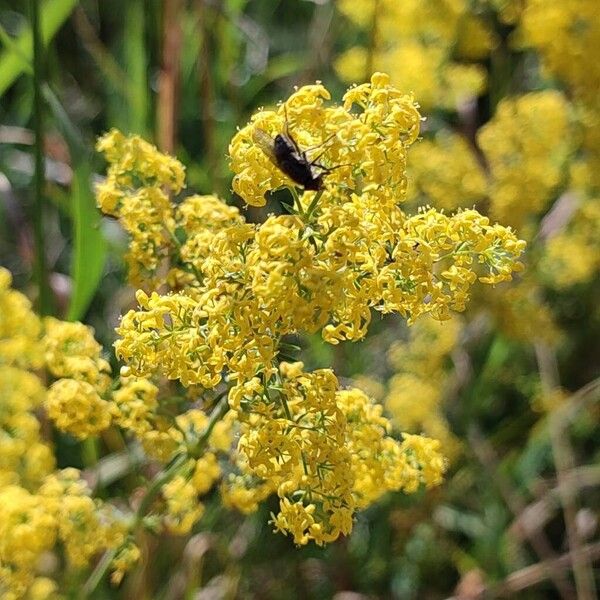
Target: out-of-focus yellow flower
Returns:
[[526, 145], [183, 507], [416, 393], [417, 42], [521, 313], [20, 327], [567, 35], [572, 255], [71, 351], [445, 174]]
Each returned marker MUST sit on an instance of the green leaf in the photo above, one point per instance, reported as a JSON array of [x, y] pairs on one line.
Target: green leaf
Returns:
[[53, 14], [136, 64], [89, 247]]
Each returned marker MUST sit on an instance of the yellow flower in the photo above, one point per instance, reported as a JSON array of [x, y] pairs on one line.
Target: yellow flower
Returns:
[[135, 191], [71, 351], [20, 327], [183, 507], [572, 255], [445, 172], [366, 148], [133, 159], [76, 407], [526, 145], [567, 35], [423, 37], [135, 403]]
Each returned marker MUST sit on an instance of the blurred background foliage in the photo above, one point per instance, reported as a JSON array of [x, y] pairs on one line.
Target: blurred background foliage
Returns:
[[511, 94]]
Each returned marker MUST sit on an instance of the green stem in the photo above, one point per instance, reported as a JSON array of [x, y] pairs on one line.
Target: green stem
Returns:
[[97, 574], [40, 268], [155, 488], [313, 204], [297, 202]]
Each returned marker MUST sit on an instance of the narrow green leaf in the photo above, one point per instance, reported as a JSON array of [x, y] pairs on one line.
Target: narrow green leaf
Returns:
[[136, 65], [53, 14], [89, 247]]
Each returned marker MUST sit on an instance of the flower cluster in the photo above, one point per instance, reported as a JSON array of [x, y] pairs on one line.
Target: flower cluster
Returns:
[[235, 289], [326, 452], [365, 140], [526, 145], [74, 402], [426, 38], [43, 508], [134, 191]]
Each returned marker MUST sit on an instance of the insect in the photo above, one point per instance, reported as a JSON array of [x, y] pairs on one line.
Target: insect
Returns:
[[286, 155]]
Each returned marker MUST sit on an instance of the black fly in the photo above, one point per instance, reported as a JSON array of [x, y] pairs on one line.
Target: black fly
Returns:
[[286, 155], [295, 164]]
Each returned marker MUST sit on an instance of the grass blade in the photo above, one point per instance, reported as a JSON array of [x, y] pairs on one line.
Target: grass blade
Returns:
[[53, 13], [89, 247]]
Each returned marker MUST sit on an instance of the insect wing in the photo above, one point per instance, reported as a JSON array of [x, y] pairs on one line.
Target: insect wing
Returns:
[[266, 143]]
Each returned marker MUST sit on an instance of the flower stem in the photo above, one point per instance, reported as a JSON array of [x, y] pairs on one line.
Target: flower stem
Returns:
[[40, 268], [154, 489]]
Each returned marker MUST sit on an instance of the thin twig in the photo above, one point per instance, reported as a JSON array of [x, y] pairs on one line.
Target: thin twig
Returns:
[[534, 516], [516, 504], [564, 462], [168, 79], [534, 574]]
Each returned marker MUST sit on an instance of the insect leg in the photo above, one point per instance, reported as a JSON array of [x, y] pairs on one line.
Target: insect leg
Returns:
[[321, 144], [289, 135]]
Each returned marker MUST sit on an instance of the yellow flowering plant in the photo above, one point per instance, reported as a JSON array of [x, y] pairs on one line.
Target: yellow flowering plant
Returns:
[[326, 372], [204, 390], [215, 320]]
